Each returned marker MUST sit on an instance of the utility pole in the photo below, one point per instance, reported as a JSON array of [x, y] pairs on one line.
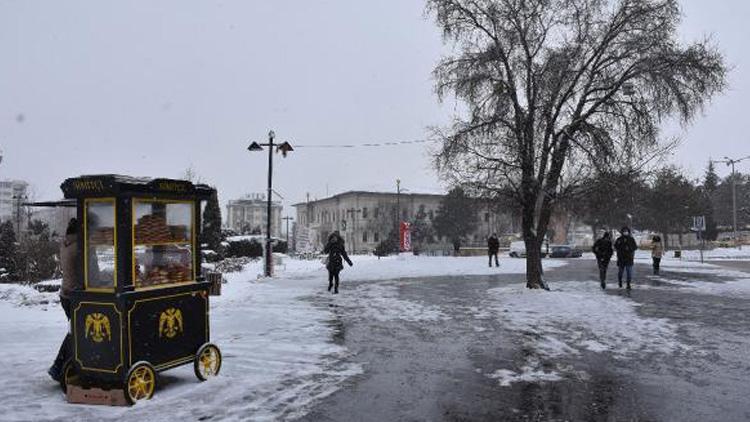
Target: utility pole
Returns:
[[284, 147], [287, 218], [730, 162]]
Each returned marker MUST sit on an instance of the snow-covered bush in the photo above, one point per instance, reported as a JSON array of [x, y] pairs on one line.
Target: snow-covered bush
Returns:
[[232, 265]]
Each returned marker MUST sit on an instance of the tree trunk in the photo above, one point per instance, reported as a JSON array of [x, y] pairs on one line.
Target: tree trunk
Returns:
[[533, 263]]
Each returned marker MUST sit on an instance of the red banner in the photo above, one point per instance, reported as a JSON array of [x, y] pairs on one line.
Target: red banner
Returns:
[[404, 237]]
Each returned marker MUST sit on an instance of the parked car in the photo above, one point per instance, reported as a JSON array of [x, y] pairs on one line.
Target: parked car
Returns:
[[565, 251], [518, 249]]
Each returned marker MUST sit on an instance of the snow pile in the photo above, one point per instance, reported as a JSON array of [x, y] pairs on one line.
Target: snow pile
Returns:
[[529, 372], [576, 317], [381, 303], [719, 254], [25, 295], [739, 286], [569, 318]]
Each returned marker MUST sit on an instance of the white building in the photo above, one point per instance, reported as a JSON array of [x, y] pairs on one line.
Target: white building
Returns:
[[364, 219], [248, 215], [9, 207]]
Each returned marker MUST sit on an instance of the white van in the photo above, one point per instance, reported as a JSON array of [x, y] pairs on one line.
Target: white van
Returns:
[[518, 249]]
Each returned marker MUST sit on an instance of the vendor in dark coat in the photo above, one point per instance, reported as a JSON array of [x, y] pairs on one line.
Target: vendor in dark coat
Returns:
[[603, 251], [68, 262], [493, 246], [336, 255], [625, 246]]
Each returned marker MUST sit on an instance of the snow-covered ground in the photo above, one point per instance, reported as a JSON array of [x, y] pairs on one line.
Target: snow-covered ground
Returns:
[[579, 317], [718, 254], [275, 335], [278, 335], [576, 317]]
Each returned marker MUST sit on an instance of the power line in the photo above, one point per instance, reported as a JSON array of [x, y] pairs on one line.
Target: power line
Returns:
[[368, 144]]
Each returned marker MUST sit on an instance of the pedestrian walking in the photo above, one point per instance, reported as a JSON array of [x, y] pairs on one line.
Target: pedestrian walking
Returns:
[[603, 251], [493, 246], [625, 247], [68, 258], [336, 255], [657, 251]]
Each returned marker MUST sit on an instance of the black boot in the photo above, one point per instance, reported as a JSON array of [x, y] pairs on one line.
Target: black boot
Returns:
[[619, 283], [628, 287], [604, 284], [336, 291], [330, 286], [55, 373]]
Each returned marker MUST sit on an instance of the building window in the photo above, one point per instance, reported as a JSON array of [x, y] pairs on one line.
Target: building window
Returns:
[[486, 217], [364, 212], [376, 236], [376, 212], [431, 215], [364, 237]]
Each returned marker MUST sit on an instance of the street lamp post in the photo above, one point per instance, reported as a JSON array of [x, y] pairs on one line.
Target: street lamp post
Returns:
[[284, 147], [730, 162], [287, 218]]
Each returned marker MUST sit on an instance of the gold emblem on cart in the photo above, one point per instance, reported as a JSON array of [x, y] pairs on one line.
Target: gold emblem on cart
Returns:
[[170, 323], [97, 326]]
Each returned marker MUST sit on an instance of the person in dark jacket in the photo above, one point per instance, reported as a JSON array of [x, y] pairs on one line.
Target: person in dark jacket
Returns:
[[336, 255], [625, 247], [68, 258], [493, 246], [603, 251]]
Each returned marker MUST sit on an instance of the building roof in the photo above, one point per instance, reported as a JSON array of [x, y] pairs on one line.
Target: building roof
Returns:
[[364, 192]]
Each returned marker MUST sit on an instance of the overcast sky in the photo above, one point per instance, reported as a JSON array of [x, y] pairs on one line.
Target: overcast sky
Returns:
[[150, 88]]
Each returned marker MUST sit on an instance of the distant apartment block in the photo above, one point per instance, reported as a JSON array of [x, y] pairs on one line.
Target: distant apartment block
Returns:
[[248, 215]]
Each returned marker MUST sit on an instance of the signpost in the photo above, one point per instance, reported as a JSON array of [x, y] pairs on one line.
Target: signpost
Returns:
[[699, 226], [405, 237]]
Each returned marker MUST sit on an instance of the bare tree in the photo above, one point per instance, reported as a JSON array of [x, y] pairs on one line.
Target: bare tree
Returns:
[[556, 90]]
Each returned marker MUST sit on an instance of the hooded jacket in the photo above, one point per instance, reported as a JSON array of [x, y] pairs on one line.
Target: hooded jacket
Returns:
[[625, 247], [493, 244], [336, 254], [603, 249]]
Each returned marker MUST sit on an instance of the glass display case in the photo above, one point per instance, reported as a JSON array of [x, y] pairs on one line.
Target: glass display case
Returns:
[[163, 242], [100, 256]]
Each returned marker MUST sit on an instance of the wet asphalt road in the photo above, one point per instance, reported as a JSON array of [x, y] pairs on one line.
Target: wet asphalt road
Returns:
[[435, 370]]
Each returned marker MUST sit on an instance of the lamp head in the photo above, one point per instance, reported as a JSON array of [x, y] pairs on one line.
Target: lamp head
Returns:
[[285, 148], [255, 147]]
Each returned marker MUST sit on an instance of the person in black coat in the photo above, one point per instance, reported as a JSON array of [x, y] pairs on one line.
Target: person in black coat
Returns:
[[493, 246], [336, 255], [603, 251], [625, 247]]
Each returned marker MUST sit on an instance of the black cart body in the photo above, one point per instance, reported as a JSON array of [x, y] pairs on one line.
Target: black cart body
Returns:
[[143, 298]]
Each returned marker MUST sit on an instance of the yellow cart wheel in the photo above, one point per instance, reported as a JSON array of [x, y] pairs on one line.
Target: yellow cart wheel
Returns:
[[140, 382], [207, 362]]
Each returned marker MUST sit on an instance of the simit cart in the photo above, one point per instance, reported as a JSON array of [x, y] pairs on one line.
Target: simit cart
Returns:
[[144, 307]]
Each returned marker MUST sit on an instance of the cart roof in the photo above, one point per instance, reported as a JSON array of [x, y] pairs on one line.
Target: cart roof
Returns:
[[115, 185], [68, 203]]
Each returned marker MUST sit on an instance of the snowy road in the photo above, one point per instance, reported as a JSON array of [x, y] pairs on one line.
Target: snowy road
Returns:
[[674, 349]]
